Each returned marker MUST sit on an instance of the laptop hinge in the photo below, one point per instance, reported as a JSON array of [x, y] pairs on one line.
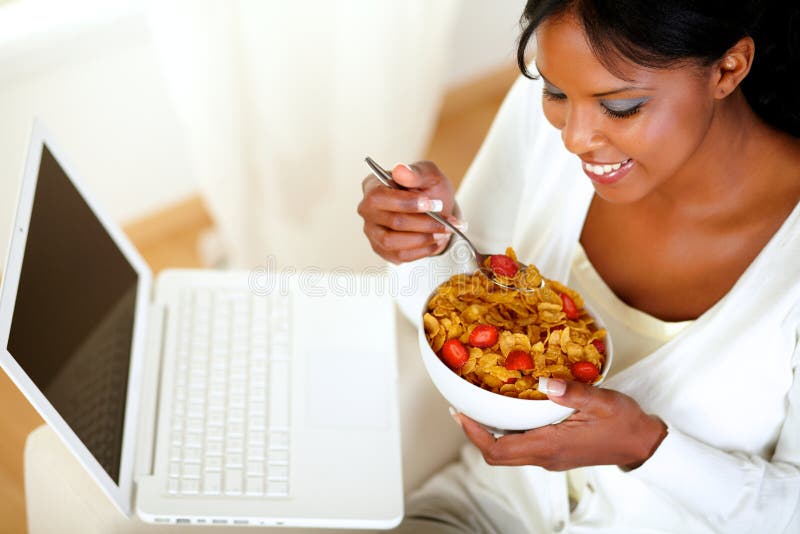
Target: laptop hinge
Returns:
[[151, 386]]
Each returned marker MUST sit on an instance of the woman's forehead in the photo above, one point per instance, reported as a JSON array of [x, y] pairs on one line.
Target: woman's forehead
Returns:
[[565, 57], [562, 45]]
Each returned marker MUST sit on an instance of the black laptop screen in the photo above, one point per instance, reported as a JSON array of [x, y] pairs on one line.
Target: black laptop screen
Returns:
[[72, 325]]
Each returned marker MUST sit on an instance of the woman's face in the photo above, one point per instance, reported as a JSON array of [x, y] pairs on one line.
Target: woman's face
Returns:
[[633, 135]]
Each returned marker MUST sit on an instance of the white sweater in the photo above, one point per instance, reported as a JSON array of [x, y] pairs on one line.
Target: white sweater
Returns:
[[728, 386]]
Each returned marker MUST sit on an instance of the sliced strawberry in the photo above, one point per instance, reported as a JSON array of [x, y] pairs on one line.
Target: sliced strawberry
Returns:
[[454, 354], [584, 372], [570, 309], [518, 360], [599, 345], [484, 335], [503, 265]]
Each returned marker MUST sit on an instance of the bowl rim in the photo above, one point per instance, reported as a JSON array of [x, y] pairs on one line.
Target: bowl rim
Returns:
[[491, 394]]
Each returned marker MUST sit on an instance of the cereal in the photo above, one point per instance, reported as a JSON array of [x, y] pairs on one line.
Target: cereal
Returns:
[[520, 336]]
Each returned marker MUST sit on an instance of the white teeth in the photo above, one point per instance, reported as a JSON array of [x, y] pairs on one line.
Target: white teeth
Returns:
[[603, 169]]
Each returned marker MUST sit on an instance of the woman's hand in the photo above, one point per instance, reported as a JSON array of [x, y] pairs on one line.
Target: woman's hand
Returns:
[[608, 428], [395, 222]]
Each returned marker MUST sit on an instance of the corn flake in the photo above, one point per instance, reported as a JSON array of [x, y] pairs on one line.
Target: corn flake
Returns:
[[532, 322]]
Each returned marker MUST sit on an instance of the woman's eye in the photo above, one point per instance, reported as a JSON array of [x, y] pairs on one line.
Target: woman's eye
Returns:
[[552, 95], [621, 109]]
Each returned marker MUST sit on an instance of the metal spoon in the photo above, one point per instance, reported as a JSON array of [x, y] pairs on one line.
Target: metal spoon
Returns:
[[385, 177]]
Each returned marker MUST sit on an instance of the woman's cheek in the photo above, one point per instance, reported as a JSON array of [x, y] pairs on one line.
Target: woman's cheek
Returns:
[[554, 113]]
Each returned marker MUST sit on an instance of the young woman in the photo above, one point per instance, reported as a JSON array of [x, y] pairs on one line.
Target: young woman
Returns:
[[665, 189]]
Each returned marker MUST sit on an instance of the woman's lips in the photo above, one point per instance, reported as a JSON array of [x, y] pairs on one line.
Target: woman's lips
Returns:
[[611, 172]]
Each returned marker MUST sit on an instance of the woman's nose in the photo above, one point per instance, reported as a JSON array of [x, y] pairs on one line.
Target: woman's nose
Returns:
[[579, 131]]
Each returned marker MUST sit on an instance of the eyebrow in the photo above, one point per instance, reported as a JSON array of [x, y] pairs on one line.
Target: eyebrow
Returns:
[[604, 93]]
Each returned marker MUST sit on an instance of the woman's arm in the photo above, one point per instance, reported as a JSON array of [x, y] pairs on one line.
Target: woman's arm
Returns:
[[730, 491], [734, 492]]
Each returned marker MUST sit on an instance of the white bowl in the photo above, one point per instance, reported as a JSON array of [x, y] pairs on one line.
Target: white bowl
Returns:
[[498, 413]]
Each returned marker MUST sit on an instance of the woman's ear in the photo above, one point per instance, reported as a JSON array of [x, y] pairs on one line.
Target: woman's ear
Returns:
[[732, 68]]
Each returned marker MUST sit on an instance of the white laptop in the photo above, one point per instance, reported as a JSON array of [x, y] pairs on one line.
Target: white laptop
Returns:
[[205, 397]]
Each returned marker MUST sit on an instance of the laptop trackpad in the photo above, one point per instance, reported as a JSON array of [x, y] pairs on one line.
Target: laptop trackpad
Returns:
[[347, 388]]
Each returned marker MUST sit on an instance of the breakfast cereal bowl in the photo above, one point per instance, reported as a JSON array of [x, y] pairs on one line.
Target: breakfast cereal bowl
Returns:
[[499, 413]]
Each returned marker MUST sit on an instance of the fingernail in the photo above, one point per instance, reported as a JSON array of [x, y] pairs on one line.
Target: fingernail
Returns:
[[444, 234], [461, 225], [404, 165], [552, 386], [427, 204], [454, 415]]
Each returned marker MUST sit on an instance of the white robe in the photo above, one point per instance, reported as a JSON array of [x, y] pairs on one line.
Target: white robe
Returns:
[[728, 386]]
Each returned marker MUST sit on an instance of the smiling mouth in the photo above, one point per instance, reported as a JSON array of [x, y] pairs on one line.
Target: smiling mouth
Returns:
[[601, 169]]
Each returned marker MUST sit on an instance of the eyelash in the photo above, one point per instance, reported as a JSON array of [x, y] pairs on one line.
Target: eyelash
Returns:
[[624, 114]]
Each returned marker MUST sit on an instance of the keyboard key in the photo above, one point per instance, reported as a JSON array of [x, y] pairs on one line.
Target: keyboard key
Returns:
[[255, 438], [234, 459], [190, 486], [214, 432], [194, 424], [278, 440], [212, 483], [191, 470], [235, 428], [279, 457], [215, 418], [177, 423], [213, 448], [192, 439], [192, 455], [255, 468], [255, 452], [255, 486], [258, 354], [279, 394], [173, 485], [174, 469], [278, 471], [233, 481], [213, 463], [277, 489], [234, 445], [179, 407]]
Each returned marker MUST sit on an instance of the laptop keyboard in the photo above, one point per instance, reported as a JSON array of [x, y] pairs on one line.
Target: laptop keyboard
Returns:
[[230, 417]]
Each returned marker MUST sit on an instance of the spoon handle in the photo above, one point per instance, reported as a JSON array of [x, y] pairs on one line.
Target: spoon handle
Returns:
[[386, 179]]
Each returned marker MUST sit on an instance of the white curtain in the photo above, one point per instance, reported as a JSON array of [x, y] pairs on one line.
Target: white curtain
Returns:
[[281, 101]]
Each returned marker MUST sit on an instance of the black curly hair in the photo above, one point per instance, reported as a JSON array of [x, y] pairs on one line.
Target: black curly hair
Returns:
[[664, 33]]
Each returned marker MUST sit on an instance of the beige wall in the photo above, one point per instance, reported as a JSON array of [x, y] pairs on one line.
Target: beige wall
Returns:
[[88, 71], [97, 89]]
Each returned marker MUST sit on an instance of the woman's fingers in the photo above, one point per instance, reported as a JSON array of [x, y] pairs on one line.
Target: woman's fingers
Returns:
[[382, 198], [400, 247], [409, 222], [394, 220], [391, 240]]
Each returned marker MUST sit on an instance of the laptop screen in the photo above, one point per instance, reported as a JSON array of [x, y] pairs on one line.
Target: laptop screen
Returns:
[[72, 325]]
